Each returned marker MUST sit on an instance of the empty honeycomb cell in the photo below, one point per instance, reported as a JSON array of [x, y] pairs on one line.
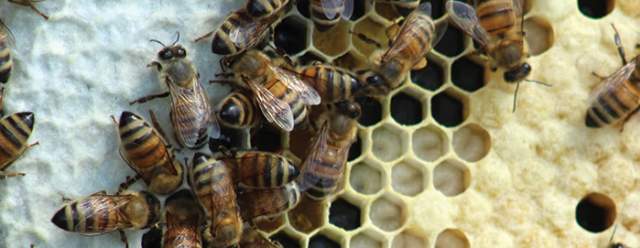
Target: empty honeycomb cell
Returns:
[[270, 224], [351, 61], [410, 239], [452, 43], [430, 77], [406, 109], [596, 8], [539, 34], [451, 177], [291, 35], [408, 178], [388, 142], [322, 241], [371, 111], [370, 29], [452, 238], [449, 108], [388, 213], [333, 41], [285, 240], [430, 143], [308, 215], [267, 139], [355, 150], [366, 178], [467, 74], [345, 215], [367, 239], [471, 142], [596, 212], [310, 57]]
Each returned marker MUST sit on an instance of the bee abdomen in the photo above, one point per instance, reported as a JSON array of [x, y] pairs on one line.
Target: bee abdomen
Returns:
[[612, 105], [237, 111], [6, 63], [91, 215], [222, 43], [497, 16], [263, 8], [263, 170], [15, 129]]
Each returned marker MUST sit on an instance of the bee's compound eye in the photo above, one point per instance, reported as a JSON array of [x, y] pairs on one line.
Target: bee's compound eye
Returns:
[[181, 52], [166, 54]]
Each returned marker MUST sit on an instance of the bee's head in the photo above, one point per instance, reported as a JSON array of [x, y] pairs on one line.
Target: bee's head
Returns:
[[169, 53], [517, 73]]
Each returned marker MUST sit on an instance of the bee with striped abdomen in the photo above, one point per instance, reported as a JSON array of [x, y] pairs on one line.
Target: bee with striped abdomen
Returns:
[[191, 115], [327, 13], [497, 26], [333, 84], [101, 213], [237, 110], [279, 92], [256, 169], [15, 130], [268, 203], [146, 151], [264, 8], [30, 4], [618, 97], [212, 182], [183, 217], [324, 165]]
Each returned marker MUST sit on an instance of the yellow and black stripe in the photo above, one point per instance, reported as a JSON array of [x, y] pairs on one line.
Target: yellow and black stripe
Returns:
[[612, 105], [94, 214], [15, 130], [6, 63], [237, 110], [264, 8], [496, 16], [332, 84], [292, 98], [256, 169], [222, 43]]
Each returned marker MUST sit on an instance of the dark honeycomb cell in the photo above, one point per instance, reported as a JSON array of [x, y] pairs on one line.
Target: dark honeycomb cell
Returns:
[[310, 57], [308, 215], [447, 110], [321, 241], [437, 8], [303, 7], [371, 111], [596, 8], [355, 150], [344, 214], [285, 240], [452, 43], [267, 139], [430, 77], [405, 109], [152, 238], [596, 212], [299, 141], [359, 9], [291, 35], [467, 75]]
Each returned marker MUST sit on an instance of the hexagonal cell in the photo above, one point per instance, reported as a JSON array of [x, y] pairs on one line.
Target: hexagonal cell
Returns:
[[345, 215], [471, 142], [451, 177], [303, 7], [539, 34], [308, 216], [291, 35], [430, 77], [351, 61], [371, 111], [285, 240], [430, 143], [333, 41], [388, 142], [267, 139], [371, 29], [408, 178], [367, 239], [388, 213], [596, 212], [366, 178], [355, 150], [437, 8], [388, 11], [270, 224], [310, 57], [452, 238], [322, 241], [596, 9], [468, 75], [410, 239], [406, 109], [448, 108], [452, 43]]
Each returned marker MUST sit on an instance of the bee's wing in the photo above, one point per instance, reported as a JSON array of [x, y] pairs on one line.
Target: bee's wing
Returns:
[[464, 16], [97, 206], [248, 34], [518, 7], [191, 113], [292, 80], [329, 6], [614, 80], [347, 10], [399, 44], [315, 153], [273, 109]]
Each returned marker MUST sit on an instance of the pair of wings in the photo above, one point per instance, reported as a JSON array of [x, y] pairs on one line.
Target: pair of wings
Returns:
[[464, 16], [246, 35], [191, 103], [615, 80], [101, 205], [346, 6], [276, 110]]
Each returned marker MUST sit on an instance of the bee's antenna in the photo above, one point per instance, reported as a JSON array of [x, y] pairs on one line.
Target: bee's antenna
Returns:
[[177, 38], [615, 228], [515, 96], [157, 41], [538, 82]]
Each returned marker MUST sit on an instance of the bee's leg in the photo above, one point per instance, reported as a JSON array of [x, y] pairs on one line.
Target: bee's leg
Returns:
[[421, 64], [623, 122], [101, 192], [156, 64], [123, 237], [64, 198], [149, 98], [156, 125], [29, 3], [207, 35], [595, 74], [7, 174], [127, 183], [618, 41], [290, 156], [2, 101]]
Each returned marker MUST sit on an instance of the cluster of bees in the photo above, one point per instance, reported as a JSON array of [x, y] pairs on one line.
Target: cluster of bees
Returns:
[[230, 189]]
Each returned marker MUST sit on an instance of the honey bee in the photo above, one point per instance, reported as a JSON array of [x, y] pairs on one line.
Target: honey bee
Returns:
[[327, 13], [251, 238], [279, 92], [272, 202], [145, 151], [30, 4], [183, 218], [617, 98], [190, 114], [256, 169], [408, 49], [101, 213], [332, 83], [264, 8], [15, 130], [497, 26], [212, 183], [237, 110], [323, 167]]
